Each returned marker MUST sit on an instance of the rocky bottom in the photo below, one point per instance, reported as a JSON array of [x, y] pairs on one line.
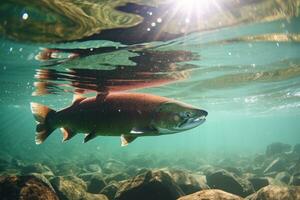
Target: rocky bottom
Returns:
[[273, 175]]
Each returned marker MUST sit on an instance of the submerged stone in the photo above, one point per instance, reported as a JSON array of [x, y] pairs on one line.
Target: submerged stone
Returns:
[[69, 187], [67, 169], [113, 166], [110, 190], [151, 185], [273, 192], [228, 182], [25, 188], [295, 179], [96, 184], [259, 182], [276, 165], [89, 196], [212, 194], [283, 177], [116, 177], [95, 181], [189, 183], [93, 168], [37, 168], [277, 148]]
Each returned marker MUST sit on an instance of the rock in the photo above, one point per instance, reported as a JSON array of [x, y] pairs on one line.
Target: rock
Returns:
[[69, 187], [89, 196], [208, 169], [294, 168], [256, 170], [296, 149], [277, 148], [25, 188], [113, 166], [234, 170], [259, 182], [132, 171], [37, 168], [211, 195], [95, 182], [283, 177], [116, 177], [93, 168], [42, 178], [110, 190], [87, 176], [228, 182], [295, 179], [276, 165], [189, 183], [67, 169], [151, 185], [273, 192]]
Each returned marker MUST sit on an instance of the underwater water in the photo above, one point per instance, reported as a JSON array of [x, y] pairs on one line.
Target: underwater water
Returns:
[[238, 60]]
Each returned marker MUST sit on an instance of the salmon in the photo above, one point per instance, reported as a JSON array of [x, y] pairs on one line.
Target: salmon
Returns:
[[128, 115]]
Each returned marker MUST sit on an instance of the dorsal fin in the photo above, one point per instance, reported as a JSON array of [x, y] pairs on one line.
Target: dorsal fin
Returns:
[[77, 98]]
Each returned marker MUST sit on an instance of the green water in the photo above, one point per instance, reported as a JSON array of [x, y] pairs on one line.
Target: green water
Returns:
[[245, 73]]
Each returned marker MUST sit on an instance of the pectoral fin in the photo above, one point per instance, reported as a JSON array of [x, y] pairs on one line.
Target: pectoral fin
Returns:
[[77, 98], [88, 137], [126, 139], [67, 134]]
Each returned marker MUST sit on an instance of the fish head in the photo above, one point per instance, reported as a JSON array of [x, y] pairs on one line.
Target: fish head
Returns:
[[174, 117]]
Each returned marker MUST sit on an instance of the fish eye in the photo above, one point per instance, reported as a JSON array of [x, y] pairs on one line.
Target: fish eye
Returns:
[[188, 114]]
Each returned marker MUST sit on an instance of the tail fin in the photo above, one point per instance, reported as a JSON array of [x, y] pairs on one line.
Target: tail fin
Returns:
[[41, 113]]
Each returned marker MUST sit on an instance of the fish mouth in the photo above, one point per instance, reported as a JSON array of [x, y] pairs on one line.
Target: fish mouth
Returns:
[[193, 121]]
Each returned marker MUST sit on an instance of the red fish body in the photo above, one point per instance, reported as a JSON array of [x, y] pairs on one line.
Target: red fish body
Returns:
[[128, 115]]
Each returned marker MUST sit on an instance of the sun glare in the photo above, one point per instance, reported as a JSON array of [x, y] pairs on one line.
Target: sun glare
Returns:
[[188, 5]]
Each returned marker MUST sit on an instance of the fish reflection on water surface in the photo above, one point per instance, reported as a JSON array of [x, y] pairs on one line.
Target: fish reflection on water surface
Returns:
[[152, 68]]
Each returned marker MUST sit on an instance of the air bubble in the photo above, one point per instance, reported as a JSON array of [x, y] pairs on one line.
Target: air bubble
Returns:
[[25, 16]]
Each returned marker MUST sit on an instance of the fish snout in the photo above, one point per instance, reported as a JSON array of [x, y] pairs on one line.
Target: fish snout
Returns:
[[200, 117], [202, 113]]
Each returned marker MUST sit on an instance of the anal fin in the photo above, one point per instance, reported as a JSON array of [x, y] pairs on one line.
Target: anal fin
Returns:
[[67, 134], [88, 137], [126, 139]]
